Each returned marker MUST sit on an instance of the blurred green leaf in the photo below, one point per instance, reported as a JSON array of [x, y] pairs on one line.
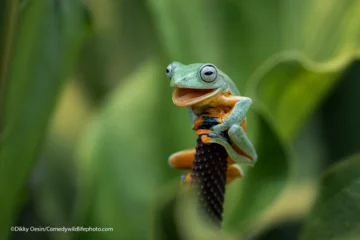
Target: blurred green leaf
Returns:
[[184, 28], [177, 216], [317, 48], [120, 158], [8, 16], [335, 214], [193, 223], [48, 37], [165, 223], [114, 51], [249, 32], [53, 185], [262, 184], [290, 90]]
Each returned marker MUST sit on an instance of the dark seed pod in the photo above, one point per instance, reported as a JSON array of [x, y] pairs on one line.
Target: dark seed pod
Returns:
[[209, 178]]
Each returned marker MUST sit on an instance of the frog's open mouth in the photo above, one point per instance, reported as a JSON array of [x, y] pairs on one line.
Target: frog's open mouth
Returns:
[[189, 96]]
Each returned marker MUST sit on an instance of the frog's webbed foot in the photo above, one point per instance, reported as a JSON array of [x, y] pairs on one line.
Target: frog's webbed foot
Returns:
[[241, 143], [238, 146]]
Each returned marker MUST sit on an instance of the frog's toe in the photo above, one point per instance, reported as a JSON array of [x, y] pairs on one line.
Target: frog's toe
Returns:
[[234, 171], [220, 127], [185, 178]]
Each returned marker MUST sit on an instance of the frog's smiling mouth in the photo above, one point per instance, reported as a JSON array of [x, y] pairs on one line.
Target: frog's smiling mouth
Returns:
[[188, 96]]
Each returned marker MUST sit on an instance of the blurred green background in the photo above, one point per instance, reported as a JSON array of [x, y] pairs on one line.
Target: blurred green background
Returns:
[[87, 122]]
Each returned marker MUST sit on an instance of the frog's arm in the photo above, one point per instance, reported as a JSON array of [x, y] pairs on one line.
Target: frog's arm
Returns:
[[242, 150], [236, 115]]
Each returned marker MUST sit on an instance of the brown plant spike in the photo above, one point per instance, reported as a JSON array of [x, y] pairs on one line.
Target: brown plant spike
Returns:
[[209, 178]]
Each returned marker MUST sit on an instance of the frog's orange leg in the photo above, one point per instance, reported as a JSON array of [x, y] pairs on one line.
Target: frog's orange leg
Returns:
[[198, 123], [203, 131], [233, 171], [183, 159]]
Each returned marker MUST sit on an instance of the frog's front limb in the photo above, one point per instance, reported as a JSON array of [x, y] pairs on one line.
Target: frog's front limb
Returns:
[[240, 148], [236, 115], [241, 142]]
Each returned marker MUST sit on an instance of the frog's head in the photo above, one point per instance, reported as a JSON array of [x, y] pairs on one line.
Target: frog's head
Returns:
[[195, 82]]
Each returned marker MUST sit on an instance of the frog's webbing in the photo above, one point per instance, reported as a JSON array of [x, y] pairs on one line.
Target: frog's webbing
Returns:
[[209, 177]]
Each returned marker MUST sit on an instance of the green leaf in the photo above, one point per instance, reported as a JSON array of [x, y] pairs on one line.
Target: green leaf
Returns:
[[184, 29], [178, 216], [164, 220], [8, 16], [193, 224], [53, 185], [121, 157], [241, 35], [250, 196], [316, 50], [335, 214], [290, 87], [48, 36], [115, 46]]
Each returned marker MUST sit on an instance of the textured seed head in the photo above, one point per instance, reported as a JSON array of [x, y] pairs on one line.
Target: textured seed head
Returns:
[[209, 173]]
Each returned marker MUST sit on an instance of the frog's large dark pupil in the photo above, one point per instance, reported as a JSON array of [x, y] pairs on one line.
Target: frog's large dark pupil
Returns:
[[167, 70], [208, 73]]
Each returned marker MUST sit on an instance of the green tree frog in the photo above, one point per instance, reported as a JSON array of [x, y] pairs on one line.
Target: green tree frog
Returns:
[[213, 100]]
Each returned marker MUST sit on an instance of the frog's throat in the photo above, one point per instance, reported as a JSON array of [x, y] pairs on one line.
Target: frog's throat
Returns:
[[184, 97]]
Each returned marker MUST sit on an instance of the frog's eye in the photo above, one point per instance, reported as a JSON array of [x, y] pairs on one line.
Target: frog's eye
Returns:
[[168, 71], [208, 73]]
